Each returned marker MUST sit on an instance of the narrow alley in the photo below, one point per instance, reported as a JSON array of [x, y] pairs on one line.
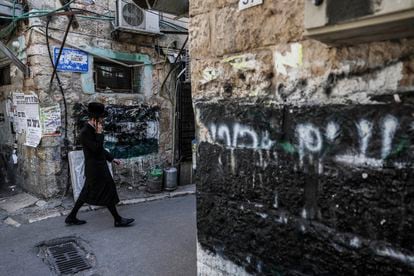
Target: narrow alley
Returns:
[[162, 241]]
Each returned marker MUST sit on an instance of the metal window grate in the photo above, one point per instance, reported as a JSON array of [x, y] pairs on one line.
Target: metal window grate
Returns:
[[67, 258]]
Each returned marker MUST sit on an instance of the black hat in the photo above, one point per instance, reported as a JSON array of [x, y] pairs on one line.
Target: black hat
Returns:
[[96, 110]]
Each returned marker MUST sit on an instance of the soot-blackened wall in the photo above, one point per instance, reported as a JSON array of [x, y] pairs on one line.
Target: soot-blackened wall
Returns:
[[131, 131], [310, 190]]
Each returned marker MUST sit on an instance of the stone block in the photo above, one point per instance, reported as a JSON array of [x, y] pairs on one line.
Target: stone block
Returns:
[[227, 30], [17, 202], [12, 222], [200, 36], [37, 49]]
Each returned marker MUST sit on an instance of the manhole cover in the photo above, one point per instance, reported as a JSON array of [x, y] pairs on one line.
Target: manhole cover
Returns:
[[66, 255]]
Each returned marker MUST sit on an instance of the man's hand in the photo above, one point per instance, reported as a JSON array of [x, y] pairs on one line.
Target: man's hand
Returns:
[[117, 162]]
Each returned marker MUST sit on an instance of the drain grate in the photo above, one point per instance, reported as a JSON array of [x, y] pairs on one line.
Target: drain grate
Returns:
[[67, 258]]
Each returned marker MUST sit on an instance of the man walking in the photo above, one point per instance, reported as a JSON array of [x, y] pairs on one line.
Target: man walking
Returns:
[[99, 188]]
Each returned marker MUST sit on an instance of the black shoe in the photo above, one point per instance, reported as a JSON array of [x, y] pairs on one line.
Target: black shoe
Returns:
[[124, 222], [74, 221]]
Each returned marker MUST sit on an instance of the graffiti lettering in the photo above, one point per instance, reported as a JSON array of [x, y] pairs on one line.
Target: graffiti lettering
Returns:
[[315, 143]]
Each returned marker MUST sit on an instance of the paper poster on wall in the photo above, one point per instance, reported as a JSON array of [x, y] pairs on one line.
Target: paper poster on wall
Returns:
[[19, 112], [9, 109], [33, 128], [50, 118]]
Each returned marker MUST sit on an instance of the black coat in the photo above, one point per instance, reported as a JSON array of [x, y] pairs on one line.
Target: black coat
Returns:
[[99, 188]]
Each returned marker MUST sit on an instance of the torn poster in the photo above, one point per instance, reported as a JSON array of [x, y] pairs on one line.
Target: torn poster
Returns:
[[50, 118]]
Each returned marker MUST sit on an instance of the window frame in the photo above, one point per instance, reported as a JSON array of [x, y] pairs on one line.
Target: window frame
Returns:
[[136, 77]]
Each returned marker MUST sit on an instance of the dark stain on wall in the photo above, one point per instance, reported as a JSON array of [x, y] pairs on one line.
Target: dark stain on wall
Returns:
[[130, 131], [340, 11], [318, 190]]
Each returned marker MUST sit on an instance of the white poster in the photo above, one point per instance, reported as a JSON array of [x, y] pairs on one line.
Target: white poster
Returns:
[[19, 112], [33, 128], [77, 171], [50, 118]]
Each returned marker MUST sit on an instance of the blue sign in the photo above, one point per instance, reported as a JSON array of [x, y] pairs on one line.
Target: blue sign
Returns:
[[71, 60]]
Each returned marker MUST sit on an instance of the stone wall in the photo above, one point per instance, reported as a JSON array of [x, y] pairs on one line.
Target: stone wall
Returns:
[[44, 169], [305, 152]]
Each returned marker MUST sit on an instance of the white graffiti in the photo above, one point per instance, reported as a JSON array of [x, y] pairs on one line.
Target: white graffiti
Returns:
[[236, 137], [388, 131], [243, 131], [364, 128], [389, 127], [359, 161], [311, 141], [224, 133], [276, 201], [332, 131], [365, 132], [355, 242], [267, 143], [396, 254]]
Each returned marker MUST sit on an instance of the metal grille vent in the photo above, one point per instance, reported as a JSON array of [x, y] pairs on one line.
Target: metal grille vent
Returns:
[[133, 15], [67, 258]]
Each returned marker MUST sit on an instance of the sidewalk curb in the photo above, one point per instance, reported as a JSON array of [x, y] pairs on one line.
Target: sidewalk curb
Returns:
[[125, 202], [156, 197]]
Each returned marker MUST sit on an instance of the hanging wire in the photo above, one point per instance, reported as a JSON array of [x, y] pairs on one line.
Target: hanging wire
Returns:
[[6, 31]]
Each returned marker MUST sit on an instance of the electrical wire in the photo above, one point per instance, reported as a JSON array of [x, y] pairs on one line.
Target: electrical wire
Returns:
[[175, 61], [31, 14], [95, 18], [66, 141], [42, 13], [174, 26], [178, 20], [61, 50], [92, 12]]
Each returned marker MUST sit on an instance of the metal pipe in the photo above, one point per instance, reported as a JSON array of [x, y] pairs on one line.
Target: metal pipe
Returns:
[[19, 64], [93, 54]]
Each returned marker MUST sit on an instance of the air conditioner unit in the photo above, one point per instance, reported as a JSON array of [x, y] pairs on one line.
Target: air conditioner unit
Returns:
[[358, 21], [131, 18]]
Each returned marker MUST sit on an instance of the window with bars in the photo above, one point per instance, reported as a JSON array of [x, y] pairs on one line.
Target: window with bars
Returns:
[[112, 77]]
